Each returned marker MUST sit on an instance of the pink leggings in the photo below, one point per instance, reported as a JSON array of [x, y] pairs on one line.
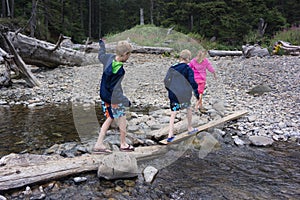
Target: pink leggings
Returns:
[[201, 86]]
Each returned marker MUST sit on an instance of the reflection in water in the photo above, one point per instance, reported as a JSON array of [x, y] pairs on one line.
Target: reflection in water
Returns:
[[35, 129]]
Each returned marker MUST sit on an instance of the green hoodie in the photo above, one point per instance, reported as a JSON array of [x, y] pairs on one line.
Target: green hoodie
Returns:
[[116, 66]]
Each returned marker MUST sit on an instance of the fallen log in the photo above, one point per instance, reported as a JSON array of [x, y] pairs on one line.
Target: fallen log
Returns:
[[41, 53], [211, 124], [110, 47], [22, 68], [287, 48], [13, 62], [29, 169], [220, 53]]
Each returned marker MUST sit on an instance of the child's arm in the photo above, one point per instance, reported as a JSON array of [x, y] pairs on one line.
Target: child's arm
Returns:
[[215, 76], [102, 50], [104, 58]]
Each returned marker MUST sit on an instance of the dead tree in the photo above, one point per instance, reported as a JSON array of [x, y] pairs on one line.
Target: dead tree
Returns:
[[5, 78], [13, 62], [45, 54]]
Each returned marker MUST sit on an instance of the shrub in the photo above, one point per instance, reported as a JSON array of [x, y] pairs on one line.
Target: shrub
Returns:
[[291, 35], [150, 35]]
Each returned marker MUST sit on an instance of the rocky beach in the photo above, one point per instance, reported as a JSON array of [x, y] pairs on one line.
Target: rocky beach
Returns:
[[267, 87]]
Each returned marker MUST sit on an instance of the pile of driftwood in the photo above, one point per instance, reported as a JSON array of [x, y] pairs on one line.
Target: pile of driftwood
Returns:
[[286, 48], [17, 49]]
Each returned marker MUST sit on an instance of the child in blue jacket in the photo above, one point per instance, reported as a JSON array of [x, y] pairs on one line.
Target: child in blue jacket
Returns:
[[180, 84], [111, 93]]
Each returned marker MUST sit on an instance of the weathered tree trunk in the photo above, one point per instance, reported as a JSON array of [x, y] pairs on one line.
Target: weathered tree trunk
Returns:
[[289, 48], [21, 66], [141, 16], [5, 78], [213, 53], [41, 53], [21, 170]]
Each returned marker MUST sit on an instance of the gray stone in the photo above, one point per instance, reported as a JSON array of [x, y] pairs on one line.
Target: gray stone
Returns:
[[149, 173], [238, 141], [259, 89], [260, 140], [252, 118], [3, 102], [118, 165], [79, 179]]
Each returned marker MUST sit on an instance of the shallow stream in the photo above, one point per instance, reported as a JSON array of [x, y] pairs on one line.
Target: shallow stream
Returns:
[[227, 173]]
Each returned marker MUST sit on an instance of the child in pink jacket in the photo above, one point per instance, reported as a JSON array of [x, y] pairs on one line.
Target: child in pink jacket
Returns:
[[200, 64]]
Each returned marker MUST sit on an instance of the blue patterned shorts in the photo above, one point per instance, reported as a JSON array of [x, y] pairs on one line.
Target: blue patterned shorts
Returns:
[[113, 111], [179, 106]]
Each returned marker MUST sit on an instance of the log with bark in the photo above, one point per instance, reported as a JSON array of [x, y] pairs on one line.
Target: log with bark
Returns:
[[42, 53], [22, 170], [14, 63], [5, 78], [288, 48]]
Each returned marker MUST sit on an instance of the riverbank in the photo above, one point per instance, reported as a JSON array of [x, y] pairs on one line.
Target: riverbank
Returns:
[[268, 88], [273, 112]]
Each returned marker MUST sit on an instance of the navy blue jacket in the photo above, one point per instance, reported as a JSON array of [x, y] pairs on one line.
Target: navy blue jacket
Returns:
[[182, 84], [110, 87]]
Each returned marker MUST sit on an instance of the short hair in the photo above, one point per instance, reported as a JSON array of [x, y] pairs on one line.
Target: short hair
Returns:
[[123, 47], [185, 55]]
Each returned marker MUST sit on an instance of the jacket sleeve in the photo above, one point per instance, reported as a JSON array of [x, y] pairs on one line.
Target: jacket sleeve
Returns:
[[209, 67], [118, 95], [193, 82], [102, 51], [104, 58]]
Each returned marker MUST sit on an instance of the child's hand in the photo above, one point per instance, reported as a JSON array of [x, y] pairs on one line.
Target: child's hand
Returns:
[[101, 40]]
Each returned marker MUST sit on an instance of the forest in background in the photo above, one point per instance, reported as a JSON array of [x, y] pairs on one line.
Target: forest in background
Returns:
[[229, 22]]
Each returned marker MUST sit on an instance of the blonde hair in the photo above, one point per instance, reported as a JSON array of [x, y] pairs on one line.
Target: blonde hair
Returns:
[[185, 55], [123, 48], [201, 55]]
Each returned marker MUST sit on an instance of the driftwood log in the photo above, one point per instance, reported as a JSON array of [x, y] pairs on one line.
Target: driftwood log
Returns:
[[41, 53], [22, 170], [110, 47], [289, 48], [221, 53], [5, 78], [15, 63]]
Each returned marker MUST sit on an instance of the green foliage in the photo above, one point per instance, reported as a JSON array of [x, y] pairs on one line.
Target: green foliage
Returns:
[[291, 35], [149, 35], [230, 22]]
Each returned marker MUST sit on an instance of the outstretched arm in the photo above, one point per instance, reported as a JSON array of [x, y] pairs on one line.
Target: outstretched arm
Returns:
[[102, 51]]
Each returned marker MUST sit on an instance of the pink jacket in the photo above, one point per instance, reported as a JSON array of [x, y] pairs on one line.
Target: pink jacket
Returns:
[[200, 69]]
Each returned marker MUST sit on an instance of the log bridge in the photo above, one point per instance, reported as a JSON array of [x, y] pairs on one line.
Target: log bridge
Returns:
[[18, 170]]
